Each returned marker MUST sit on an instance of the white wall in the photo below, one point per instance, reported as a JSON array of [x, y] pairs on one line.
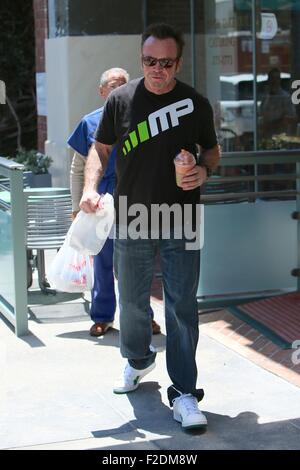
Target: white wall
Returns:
[[73, 67]]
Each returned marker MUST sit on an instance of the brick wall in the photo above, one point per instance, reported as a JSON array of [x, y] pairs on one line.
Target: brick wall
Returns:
[[41, 33]]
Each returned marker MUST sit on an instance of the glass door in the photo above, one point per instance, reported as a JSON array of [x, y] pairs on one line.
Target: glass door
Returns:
[[250, 243], [224, 65], [224, 73], [278, 40], [278, 68]]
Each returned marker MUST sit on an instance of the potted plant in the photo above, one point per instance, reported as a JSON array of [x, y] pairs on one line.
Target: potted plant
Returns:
[[36, 167]]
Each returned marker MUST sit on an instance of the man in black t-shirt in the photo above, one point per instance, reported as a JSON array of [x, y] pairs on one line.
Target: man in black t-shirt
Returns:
[[152, 119]]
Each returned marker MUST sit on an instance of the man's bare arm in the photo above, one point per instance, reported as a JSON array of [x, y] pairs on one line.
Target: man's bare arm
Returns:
[[211, 157], [198, 175], [95, 167]]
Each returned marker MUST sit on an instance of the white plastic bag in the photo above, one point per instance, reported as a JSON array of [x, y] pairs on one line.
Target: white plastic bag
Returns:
[[89, 232], [71, 271]]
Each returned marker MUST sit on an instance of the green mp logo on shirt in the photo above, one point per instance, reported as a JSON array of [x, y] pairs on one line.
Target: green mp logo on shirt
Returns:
[[149, 128]]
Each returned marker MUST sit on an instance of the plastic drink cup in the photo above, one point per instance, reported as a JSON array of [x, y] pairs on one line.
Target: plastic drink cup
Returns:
[[183, 162]]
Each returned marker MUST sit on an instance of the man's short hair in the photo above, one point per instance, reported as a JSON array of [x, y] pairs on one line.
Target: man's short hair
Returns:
[[164, 31], [105, 76]]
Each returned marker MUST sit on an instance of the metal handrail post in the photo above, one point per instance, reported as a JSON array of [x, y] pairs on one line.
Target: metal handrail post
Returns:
[[19, 250], [16, 311], [298, 221], [193, 41], [254, 65]]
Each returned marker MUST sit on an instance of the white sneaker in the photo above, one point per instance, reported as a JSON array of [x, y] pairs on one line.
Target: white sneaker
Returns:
[[131, 378], [186, 411]]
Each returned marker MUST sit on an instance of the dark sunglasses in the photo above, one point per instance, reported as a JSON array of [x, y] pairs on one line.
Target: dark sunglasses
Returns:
[[165, 63]]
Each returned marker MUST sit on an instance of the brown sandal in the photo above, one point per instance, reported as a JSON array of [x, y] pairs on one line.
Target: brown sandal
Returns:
[[99, 329], [155, 328]]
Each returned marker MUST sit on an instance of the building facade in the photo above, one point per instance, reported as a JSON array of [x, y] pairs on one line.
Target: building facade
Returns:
[[231, 46]]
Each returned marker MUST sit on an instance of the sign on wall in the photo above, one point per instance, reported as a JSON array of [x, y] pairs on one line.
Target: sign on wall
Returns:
[[222, 54], [269, 26]]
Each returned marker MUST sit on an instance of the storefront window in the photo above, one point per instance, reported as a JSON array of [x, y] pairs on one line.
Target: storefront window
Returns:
[[248, 81], [251, 96], [94, 17], [277, 65], [224, 69], [224, 74], [177, 13]]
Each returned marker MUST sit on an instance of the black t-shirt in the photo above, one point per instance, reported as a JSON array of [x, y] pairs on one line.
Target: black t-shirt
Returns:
[[150, 130]]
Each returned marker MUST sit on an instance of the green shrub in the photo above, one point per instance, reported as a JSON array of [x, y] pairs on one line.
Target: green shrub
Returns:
[[33, 160]]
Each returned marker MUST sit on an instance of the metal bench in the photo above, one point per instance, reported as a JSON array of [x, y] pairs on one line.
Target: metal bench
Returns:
[[48, 218]]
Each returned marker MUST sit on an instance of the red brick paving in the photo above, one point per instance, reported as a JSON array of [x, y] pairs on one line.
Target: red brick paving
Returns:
[[260, 343], [269, 349], [296, 369], [251, 344], [244, 339], [270, 313]]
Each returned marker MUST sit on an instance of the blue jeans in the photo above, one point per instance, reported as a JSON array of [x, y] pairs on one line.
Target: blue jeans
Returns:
[[103, 305], [180, 271]]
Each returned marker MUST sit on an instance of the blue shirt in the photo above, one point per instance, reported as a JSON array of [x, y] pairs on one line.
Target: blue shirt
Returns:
[[81, 140]]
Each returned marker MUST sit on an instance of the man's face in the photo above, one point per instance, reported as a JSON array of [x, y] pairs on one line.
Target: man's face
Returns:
[[114, 81], [160, 79]]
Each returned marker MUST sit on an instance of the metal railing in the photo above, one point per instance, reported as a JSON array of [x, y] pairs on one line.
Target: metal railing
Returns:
[[48, 219], [13, 272], [247, 189], [13, 288], [255, 159]]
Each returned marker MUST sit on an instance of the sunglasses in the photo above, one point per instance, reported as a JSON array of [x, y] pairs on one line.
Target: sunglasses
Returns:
[[165, 63]]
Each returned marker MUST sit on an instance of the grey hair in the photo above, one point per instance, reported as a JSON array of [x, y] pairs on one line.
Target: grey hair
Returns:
[[105, 76]]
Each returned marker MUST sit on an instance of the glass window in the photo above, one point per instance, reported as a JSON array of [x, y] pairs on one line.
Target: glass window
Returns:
[[224, 69], [277, 43], [93, 17], [251, 83], [224, 58], [278, 39], [176, 13]]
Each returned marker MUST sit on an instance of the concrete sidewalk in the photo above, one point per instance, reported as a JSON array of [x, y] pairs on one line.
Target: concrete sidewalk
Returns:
[[56, 391]]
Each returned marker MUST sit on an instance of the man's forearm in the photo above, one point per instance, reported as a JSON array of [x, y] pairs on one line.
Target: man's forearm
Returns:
[[96, 165], [211, 157], [93, 170]]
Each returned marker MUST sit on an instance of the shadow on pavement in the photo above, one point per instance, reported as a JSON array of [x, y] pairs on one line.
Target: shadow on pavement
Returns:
[[111, 338], [223, 432]]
